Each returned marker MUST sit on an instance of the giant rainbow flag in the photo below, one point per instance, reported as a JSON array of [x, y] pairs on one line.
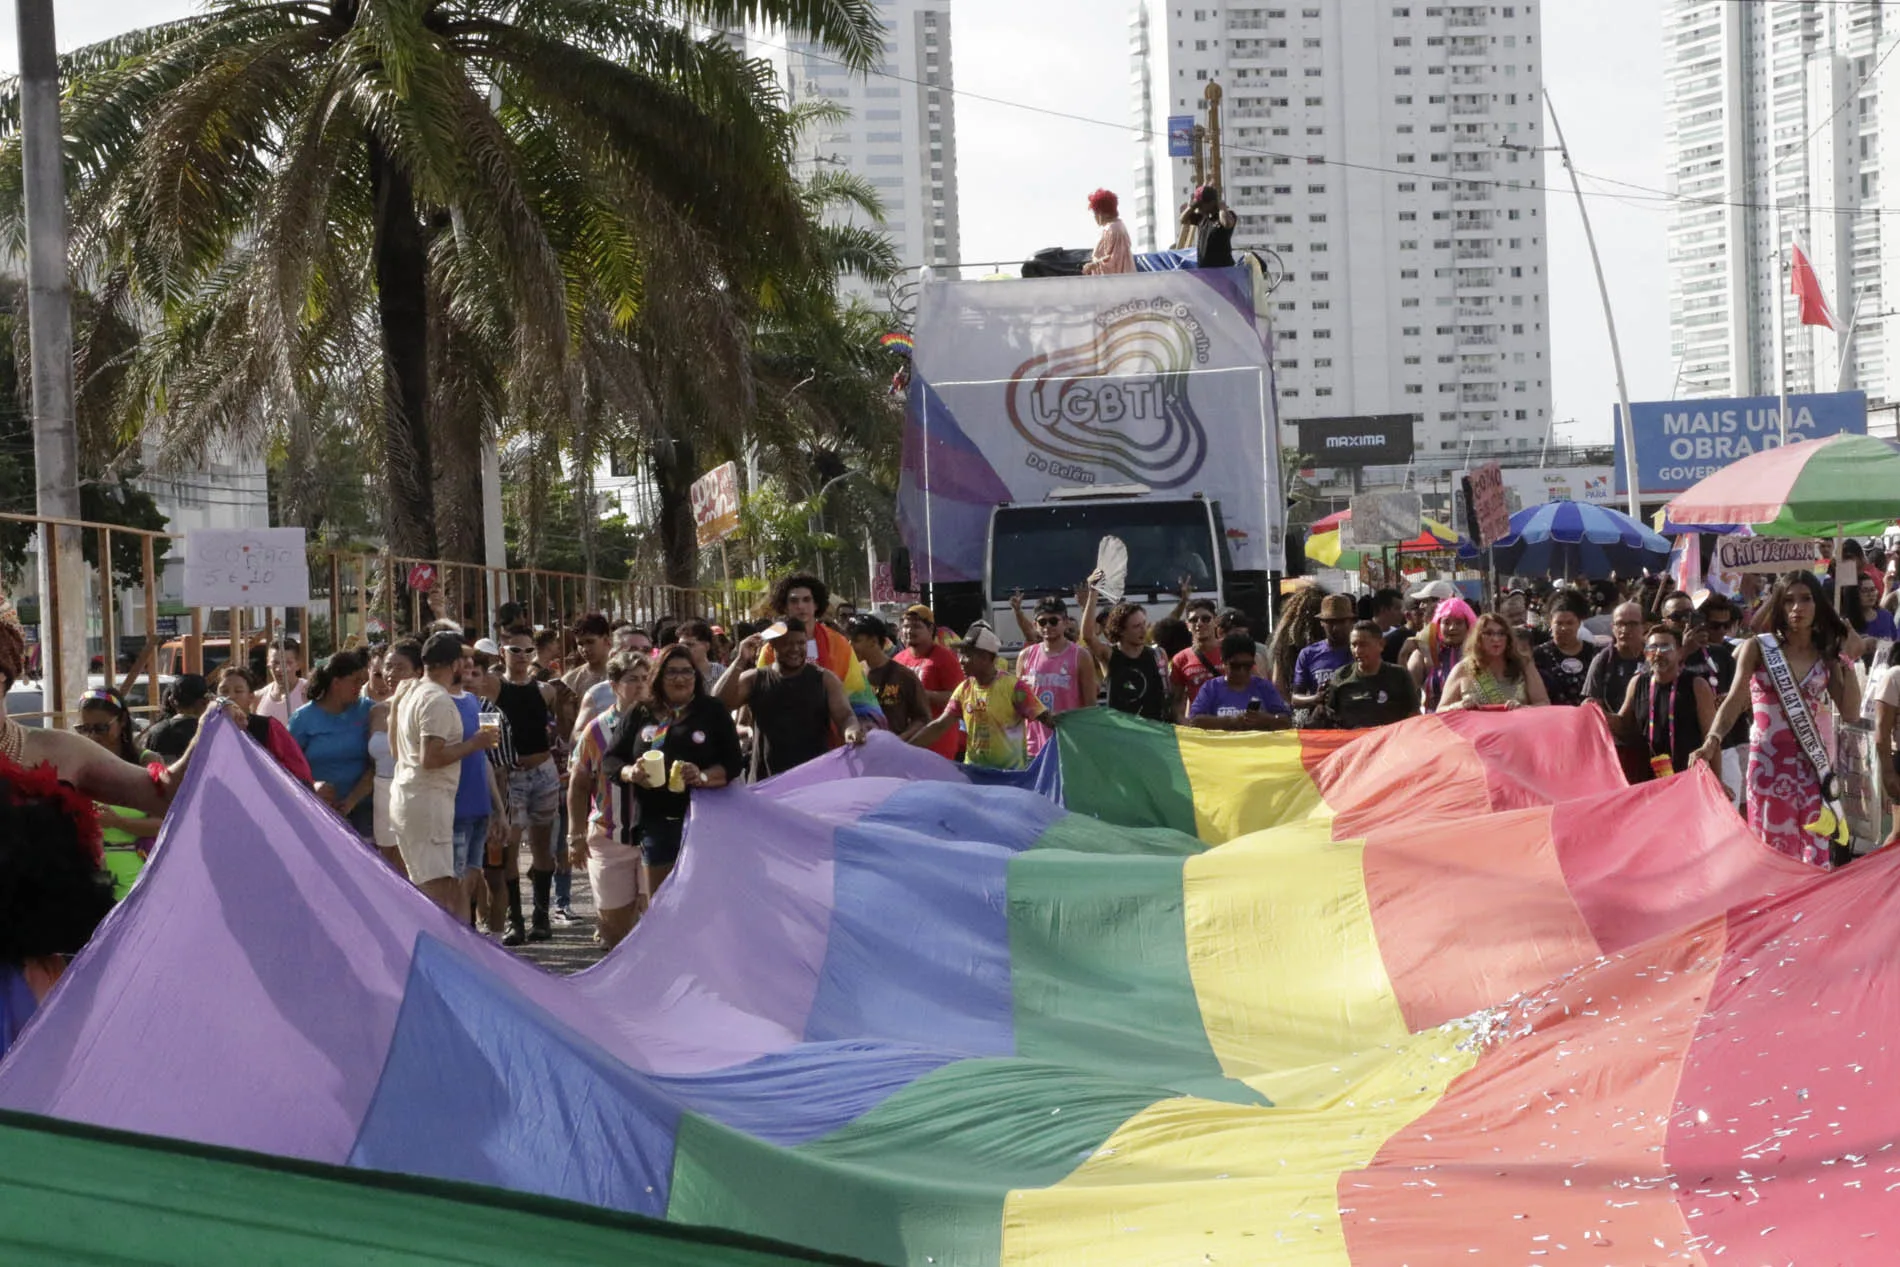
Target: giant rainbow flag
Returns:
[[1444, 992]]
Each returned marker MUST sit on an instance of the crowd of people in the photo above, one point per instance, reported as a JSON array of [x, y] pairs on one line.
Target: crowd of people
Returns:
[[451, 752]]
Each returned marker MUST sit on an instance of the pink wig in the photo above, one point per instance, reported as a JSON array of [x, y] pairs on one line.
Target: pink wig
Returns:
[[1102, 202]]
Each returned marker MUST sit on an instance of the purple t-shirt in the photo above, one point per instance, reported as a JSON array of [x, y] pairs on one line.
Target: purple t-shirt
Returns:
[[1218, 699], [1316, 665]]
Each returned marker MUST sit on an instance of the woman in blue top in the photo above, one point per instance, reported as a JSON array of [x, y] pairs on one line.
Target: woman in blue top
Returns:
[[333, 731], [54, 888]]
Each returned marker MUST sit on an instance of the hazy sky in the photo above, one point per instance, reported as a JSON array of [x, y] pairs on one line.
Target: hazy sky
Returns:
[[1024, 175]]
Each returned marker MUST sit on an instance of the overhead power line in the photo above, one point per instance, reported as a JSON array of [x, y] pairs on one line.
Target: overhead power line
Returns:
[[1649, 192]]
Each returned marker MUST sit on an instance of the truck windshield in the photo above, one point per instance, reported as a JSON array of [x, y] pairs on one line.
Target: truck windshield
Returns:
[[1046, 549]]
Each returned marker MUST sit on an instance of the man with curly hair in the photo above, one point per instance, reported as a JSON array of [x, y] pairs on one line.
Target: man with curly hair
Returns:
[[805, 598]]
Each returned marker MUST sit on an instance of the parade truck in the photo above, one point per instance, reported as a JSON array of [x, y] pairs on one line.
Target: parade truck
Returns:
[[1046, 415]]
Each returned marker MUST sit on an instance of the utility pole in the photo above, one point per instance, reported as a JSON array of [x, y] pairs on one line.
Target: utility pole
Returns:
[[1603, 290], [49, 304]]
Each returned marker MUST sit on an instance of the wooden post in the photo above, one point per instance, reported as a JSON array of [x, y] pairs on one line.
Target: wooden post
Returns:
[[52, 654], [362, 596], [389, 594], [108, 613], [195, 642], [148, 568], [336, 602]]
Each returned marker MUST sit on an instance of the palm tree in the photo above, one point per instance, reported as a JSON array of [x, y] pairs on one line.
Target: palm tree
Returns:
[[301, 194]]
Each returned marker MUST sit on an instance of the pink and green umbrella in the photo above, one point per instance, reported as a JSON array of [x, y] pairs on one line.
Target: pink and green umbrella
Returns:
[[1842, 485]]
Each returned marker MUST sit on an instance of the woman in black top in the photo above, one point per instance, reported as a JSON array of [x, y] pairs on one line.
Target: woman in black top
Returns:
[[695, 734]]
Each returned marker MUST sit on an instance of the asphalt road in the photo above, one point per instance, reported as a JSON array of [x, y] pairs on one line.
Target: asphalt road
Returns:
[[573, 947]]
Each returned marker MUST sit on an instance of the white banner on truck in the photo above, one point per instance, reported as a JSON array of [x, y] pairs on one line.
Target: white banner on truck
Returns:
[[1023, 387]]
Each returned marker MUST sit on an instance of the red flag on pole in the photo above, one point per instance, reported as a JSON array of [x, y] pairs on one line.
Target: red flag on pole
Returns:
[[1807, 288]]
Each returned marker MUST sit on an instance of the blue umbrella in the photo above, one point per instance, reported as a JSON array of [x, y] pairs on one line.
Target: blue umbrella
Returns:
[[1575, 539]]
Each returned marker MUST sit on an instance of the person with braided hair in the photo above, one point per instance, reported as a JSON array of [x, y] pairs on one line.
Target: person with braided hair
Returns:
[[54, 887]]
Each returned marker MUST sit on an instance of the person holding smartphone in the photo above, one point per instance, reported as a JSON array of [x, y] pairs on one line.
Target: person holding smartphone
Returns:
[[1238, 700]]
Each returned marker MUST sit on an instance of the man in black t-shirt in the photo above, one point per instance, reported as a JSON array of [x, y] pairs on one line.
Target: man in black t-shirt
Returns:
[[1368, 692]]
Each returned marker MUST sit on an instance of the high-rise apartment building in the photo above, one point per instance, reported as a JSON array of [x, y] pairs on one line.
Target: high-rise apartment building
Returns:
[[1387, 154], [1775, 126], [900, 133]]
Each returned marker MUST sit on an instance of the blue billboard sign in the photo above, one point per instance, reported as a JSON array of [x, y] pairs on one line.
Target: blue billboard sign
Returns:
[[1180, 136], [1679, 442]]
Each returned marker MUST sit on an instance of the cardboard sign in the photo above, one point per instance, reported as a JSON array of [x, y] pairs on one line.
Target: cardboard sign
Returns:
[[246, 567], [715, 497], [1382, 519], [884, 588], [1766, 554], [422, 578], [1490, 512]]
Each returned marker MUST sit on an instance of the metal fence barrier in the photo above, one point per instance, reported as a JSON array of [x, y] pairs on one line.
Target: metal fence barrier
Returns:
[[356, 597]]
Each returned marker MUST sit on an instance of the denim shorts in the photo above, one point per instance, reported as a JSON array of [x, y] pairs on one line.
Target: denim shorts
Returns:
[[660, 840], [533, 795], [471, 844]]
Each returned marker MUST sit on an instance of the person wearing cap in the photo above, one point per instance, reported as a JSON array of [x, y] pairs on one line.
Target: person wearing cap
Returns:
[[898, 690], [795, 704], [1114, 250], [1318, 661], [185, 702], [993, 706], [426, 738], [936, 666], [1055, 670]]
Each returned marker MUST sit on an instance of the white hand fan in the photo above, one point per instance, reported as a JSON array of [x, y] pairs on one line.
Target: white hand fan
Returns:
[[1110, 577]]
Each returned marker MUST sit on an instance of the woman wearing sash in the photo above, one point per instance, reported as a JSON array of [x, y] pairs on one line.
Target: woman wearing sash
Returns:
[[1806, 638], [1493, 673]]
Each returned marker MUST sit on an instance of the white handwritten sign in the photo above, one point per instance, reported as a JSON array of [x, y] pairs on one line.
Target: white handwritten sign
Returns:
[[1766, 554], [246, 567]]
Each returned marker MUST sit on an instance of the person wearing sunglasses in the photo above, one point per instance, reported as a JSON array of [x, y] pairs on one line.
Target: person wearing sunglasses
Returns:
[[1200, 663], [1055, 670], [1238, 700], [530, 705], [1667, 708]]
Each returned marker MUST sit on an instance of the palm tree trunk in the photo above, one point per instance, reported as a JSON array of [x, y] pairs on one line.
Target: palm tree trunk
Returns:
[[402, 310], [675, 465]]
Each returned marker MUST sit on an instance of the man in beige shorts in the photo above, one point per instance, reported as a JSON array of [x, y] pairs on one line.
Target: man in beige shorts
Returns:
[[425, 737]]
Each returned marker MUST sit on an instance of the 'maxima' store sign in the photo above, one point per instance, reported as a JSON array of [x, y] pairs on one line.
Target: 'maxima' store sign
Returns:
[[1679, 442], [1374, 440]]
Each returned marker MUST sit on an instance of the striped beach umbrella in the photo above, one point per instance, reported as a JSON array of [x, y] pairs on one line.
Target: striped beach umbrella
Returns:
[[1841, 485], [1565, 538]]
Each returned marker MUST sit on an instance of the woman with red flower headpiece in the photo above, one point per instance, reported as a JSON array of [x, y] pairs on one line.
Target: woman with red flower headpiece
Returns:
[[54, 888]]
